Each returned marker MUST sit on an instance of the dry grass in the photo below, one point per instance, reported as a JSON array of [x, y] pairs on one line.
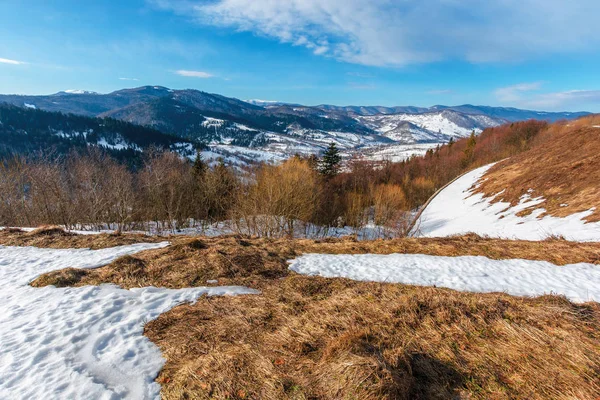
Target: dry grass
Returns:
[[54, 237], [317, 338], [314, 338], [238, 260], [563, 167]]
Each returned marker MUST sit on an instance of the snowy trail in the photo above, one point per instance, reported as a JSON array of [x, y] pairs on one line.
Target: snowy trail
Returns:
[[578, 282], [80, 343], [456, 210]]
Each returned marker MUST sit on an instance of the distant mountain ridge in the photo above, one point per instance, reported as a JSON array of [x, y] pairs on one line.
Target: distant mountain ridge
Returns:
[[27, 131], [276, 130]]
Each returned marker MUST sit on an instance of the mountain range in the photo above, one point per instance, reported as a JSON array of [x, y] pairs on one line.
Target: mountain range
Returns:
[[258, 130]]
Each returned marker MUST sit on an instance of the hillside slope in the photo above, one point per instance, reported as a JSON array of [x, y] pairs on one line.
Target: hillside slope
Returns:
[[552, 189], [27, 131]]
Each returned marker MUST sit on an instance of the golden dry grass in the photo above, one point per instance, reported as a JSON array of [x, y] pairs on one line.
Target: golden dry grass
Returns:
[[316, 338], [238, 260], [563, 166], [57, 238]]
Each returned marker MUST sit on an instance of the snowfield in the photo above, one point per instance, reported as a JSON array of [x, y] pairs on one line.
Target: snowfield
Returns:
[[578, 282], [80, 343], [456, 210]]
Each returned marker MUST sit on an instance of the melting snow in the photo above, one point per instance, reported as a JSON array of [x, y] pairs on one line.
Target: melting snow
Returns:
[[456, 210], [578, 282], [80, 343]]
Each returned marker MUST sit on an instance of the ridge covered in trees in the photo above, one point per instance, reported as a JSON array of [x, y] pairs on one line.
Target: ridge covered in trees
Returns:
[[30, 132]]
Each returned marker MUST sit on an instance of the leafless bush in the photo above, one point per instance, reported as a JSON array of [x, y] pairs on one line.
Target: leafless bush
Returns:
[[278, 199]]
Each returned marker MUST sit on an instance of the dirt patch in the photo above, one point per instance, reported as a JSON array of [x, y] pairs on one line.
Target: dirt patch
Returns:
[[57, 238], [563, 167], [316, 338]]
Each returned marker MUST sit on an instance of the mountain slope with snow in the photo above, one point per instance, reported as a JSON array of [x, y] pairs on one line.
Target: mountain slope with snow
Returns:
[[458, 209], [28, 131], [276, 129], [428, 127]]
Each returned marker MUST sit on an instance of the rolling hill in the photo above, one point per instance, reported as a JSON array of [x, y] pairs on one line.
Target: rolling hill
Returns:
[[549, 190]]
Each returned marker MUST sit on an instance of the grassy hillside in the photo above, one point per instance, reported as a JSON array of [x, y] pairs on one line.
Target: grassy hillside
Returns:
[[562, 166]]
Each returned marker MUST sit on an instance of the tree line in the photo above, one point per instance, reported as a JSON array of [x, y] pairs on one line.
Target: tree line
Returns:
[[168, 192]]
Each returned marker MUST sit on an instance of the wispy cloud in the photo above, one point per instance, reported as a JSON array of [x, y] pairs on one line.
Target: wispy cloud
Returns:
[[529, 95], [569, 99], [394, 33], [12, 62], [440, 91], [362, 86], [129, 79], [194, 74], [514, 93]]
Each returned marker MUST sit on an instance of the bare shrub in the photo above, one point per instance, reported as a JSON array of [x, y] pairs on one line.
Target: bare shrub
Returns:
[[390, 210], [14, 208], [357, 210], [279, 197], [165, 182]]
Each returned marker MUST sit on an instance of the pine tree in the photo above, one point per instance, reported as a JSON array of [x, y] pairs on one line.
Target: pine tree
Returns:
[[200, 166], [469, 152], [331, 161], [450, 142]]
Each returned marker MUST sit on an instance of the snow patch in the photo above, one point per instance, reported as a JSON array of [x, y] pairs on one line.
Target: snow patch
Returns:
[[79, 91], [457, 210], [80, 343], [578, 282]]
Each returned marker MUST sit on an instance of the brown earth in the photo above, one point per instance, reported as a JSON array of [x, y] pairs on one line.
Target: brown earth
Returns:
[[562, 166]]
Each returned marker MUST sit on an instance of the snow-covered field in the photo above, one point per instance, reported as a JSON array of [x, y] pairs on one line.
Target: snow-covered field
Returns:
[[456, 210], [578, 282], [427, 125], [80, 343], [397, 152]]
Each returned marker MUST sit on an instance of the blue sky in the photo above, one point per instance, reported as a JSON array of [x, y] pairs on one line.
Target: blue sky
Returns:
[[524, 53]]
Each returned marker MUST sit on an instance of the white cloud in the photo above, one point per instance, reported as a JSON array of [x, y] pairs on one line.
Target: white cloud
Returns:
[[571, 99], [528, 95], [129, 79], [194, 74], [395, 32], [12, 62], [514, 93]]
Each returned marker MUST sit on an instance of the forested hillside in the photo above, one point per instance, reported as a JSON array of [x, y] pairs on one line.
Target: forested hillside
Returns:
[[27, 131]]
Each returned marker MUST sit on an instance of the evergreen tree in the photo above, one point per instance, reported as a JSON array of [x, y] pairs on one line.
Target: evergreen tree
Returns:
[[469, 152], [200, 166], [450, 142], [331, 161]]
